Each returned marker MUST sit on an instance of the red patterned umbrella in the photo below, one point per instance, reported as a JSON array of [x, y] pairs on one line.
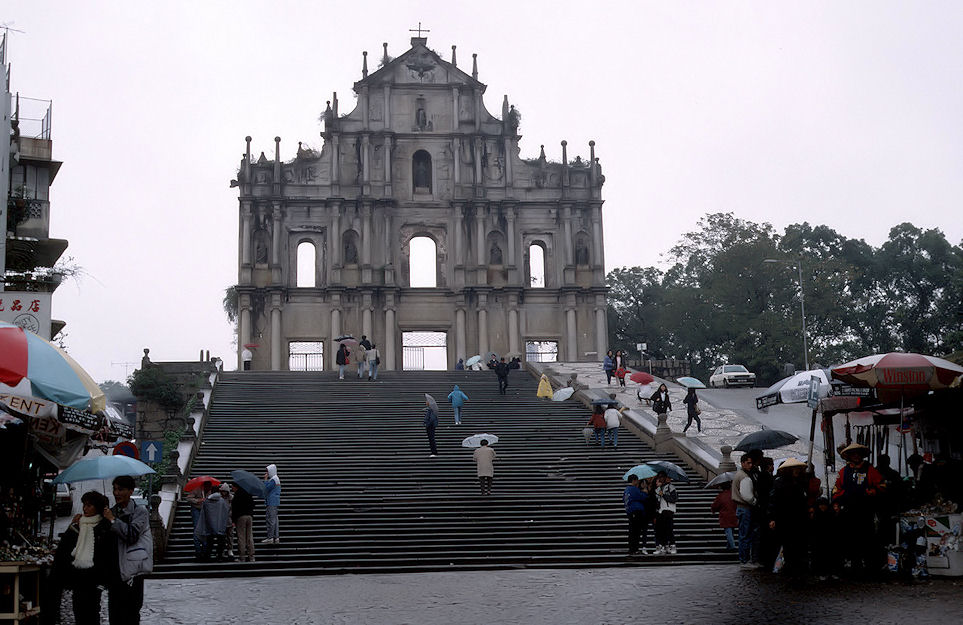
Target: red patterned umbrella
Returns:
[[897, 375], [641, 377], [196, 482]]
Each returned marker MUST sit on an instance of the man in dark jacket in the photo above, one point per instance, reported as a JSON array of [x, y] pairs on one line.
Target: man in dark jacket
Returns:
[[501, 371], [242, 513], [789, 514], [431, 422], [634, 500]]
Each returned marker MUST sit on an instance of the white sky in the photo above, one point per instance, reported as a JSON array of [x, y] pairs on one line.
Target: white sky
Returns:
[[847, 114]]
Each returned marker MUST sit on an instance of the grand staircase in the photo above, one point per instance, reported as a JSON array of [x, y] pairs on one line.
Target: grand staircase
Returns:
[[361, 495]]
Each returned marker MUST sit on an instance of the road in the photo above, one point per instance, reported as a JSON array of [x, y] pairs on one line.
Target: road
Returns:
[[690, 595]]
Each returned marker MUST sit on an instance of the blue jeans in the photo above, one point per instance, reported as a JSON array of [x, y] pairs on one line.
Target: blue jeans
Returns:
[[341, 371], [373, 370], [271, 521], [600, 436], [730, 542], [457, 410], [198, 542], [746, 532], [614, 434]]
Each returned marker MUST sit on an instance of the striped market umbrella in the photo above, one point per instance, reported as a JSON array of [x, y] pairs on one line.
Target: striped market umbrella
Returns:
[[34, 369], [897, 375]]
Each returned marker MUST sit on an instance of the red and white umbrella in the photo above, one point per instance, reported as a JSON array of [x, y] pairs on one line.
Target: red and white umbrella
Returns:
[[897, 374]]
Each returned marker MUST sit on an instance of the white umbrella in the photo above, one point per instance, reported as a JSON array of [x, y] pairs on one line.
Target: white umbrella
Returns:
[[563, 393], [793, 389], [475, 440]]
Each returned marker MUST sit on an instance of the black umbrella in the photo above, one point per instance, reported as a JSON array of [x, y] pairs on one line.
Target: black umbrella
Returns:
[[766, 439]]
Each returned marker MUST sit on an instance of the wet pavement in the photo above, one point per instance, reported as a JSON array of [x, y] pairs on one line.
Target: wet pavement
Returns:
[[689, 595]]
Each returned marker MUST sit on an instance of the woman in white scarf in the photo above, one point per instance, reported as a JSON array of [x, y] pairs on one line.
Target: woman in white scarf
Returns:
[[92, 536]]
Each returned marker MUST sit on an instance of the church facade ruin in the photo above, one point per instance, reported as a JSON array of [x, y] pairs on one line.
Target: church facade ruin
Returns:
[[326, 238]]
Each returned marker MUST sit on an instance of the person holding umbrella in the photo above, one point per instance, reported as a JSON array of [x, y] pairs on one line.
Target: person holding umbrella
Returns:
[[668, 497], [342, 360], [130, 526], [484, 458], [242, 513], [693, 411]]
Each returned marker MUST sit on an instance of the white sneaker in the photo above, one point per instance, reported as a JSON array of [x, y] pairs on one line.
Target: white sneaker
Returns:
[[672, 549], [644, 551], [267, 541], [432, 455], [659, 551], [277, 541]]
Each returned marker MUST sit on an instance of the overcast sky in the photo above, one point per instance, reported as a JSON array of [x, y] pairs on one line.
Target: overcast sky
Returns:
[[847, 114]]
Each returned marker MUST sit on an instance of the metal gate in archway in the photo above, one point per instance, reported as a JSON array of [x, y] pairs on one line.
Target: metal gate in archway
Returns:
[[424, 351]]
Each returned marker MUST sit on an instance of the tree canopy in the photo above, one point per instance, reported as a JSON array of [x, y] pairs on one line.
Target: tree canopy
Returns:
[[719, 301]]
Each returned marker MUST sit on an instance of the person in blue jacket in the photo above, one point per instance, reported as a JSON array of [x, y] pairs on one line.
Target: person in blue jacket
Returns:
[[457, 398], [608, 365], [272, 501], [635, 501]]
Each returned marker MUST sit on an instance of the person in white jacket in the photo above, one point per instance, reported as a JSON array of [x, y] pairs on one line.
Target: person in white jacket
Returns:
[[612, 422], [744, 495], [667, 496]]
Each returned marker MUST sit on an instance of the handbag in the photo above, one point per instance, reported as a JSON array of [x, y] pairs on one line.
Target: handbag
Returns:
[[698, 410], [377, 360], [620, 372]]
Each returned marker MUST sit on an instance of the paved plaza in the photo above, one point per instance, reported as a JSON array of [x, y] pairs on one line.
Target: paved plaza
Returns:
[[688, 595]]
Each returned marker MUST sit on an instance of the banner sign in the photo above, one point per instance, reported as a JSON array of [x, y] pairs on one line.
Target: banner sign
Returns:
[[28, 309], [845, 390], [79, 419], [767, 400]]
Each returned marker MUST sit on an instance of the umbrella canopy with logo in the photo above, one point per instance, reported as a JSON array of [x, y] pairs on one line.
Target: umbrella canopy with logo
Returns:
[[794, 389], [897, 375], [766, 439], [102, 468], [34, 369], [474, 441]]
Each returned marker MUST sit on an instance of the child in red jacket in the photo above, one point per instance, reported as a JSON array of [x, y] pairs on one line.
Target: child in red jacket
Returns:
[[725, 507]]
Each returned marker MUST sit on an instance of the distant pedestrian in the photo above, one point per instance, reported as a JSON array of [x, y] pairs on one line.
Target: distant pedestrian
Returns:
[[597, 423], [608, 366], [501, 371], [661, 403], [272, 501], [613, 419], [360, 358], [544, 388], [634, 500], [246, 357], [365, 343], [667, 496], [242, 513], [130, 525], [431, 423], [693, 410], [374, 361], [621, 369], [212, 525], [457, 399], [342, 359], [484, 458], [460, 365], [725, 507]]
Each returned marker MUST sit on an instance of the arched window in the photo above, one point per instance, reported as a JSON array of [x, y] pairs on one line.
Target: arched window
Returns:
[[422, 259], [307, 260], [536, 266], [421, 171]]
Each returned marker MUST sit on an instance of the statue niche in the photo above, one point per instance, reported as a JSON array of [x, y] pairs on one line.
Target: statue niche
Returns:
[[495, 254], [350, 248], [421, 172], [261, 242], [582, 255]]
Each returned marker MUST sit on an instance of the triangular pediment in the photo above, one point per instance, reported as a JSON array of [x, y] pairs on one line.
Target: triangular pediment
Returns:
[[420, 65]]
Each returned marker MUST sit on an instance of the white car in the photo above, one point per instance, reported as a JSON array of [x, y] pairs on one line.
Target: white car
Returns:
[[731, 375]]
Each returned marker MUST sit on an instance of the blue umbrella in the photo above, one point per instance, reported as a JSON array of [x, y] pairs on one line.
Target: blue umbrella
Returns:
[[249, 482], [672, 470], [102, 468], [691, 382], [474, 360], [642, 471]]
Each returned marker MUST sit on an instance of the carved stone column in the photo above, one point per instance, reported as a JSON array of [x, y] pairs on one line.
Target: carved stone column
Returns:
[[483, 325], [601, 338], [246, 215], [244, 326], [387, 163], [480, 237], [513, 337], [461, 349], [365, 159], [571, 335], [366, 236], [390, 339], [335, 163], [456, 150], [276, 243], [454, 108], [335, 333], [387, 107], [366, 310], [276, 332]]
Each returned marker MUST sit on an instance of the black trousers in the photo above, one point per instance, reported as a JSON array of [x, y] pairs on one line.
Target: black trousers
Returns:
[[485, 482], [124, 602], [665, 528], [637, 522], [502, 385], [430, 429], [86, 600]]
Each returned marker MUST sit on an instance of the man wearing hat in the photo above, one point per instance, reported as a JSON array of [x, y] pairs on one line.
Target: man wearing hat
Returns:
[[789, 513], [856, 490]]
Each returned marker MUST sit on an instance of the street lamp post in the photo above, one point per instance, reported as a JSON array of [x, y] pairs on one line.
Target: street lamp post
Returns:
[[802, 304]]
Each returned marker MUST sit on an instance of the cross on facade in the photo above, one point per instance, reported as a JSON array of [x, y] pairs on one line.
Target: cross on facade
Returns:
[[411, 30]]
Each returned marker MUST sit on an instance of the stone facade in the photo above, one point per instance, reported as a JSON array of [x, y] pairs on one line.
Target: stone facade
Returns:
[[420, 156]]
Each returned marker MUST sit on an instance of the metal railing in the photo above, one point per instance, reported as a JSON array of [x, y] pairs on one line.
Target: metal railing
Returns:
[[306, 362]]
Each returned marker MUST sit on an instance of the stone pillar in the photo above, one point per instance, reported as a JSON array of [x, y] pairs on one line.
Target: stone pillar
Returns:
[[366, 233], [727, 463], [663, 432], [597, 250], [387, 164], [460, 343], [336, 236], [458, 253], [510, 235], [478, 102], [335, 333], [601, 337], [366, 319], [483, 325], [567, 227], [479, 238], [513, 337], [365, 158], [454, 108], [508, 163], [456, 150], [276, 235], [387, 108], [246, 215], [276, 333], [335, 163], [364, 102], [571, 335], [479, 179], [243, 328], [388, 247], [390, 339]]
